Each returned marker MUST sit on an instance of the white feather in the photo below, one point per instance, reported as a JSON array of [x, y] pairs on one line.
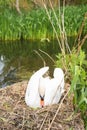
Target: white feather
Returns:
[[51, 88], [32, 98]]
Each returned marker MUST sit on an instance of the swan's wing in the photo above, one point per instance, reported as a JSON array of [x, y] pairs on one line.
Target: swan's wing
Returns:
[[32, 95], [51, 90], [59, 74], [59, 92], [55, 88]]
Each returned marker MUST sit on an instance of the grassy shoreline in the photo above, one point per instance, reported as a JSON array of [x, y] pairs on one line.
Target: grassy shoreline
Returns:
[[36, 25]]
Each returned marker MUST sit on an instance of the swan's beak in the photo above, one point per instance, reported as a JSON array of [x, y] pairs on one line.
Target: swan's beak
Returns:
[[42, 102]]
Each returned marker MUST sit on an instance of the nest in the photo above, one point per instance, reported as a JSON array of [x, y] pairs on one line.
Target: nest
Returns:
[[16, 115]]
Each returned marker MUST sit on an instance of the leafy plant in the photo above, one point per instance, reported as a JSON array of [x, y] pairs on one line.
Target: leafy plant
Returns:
[[75, 73], [36, 25]]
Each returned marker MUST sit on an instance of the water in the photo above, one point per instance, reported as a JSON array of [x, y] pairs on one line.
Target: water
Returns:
[[18, 60]]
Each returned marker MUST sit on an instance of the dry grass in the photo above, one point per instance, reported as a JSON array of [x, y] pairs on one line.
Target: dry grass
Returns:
[[15, 115]]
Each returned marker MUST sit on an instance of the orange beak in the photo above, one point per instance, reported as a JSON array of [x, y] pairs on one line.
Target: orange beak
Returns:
[[42, 103]]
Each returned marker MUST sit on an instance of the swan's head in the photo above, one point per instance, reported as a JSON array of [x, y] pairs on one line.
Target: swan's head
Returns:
[[42, 95], [43, 82], [41, 90]]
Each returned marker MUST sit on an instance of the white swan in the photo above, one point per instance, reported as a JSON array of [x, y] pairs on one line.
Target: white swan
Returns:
[[44, 91], [32, 97]]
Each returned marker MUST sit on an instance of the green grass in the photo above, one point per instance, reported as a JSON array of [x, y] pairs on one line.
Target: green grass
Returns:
[[36, 25]]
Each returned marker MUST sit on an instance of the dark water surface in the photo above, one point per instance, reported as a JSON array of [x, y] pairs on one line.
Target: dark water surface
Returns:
[[18, 60]]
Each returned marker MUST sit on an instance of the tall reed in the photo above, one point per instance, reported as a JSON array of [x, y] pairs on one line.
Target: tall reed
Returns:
[[35, 24]]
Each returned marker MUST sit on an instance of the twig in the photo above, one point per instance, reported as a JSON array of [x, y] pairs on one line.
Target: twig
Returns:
[[52, 25], [58, 109], [44, 121], [82, 42], [47, 55], [17, 6], [60, 24], [80, 30], [40, 57]]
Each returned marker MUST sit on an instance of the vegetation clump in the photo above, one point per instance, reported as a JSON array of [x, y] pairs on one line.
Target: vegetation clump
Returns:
[[36, 25]]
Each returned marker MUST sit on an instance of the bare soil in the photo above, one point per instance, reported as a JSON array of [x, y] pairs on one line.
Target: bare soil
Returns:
[[16, 115]]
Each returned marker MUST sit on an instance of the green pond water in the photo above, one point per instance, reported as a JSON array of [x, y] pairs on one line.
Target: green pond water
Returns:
[[18, 60]]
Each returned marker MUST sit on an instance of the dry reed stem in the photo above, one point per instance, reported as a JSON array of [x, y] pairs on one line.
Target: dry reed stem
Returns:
[[60, 23], [47, 55], [81, 44], [43, 121], [44, 63], [80, 33], [81, 29], [52, 25]]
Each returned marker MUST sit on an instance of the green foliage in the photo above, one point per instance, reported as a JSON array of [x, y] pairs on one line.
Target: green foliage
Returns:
[[36, 25], [73, 19], [79, 83], [6, 2], [75, 64]]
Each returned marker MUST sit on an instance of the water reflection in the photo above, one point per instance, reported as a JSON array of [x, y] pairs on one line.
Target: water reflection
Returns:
[[20, 60]]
